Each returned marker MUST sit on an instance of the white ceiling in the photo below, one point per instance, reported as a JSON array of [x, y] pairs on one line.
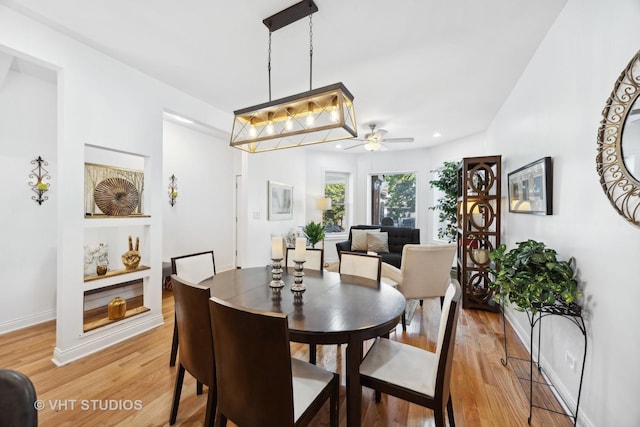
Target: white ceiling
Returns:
[[415, 67]]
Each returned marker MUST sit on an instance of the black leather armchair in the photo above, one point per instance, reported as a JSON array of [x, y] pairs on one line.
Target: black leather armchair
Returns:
[[398, 237]]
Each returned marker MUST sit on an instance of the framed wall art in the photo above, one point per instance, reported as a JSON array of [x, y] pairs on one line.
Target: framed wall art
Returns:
[[531, 188], [280, 201]]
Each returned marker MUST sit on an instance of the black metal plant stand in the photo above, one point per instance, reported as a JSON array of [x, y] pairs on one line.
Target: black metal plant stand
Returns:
[[573, 312]]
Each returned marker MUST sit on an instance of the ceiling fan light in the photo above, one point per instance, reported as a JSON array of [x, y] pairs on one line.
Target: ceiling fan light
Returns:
[[372, 146]]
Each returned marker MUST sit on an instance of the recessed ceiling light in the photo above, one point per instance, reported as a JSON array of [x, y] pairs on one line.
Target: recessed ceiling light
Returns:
[[338, 146], [437, 135]]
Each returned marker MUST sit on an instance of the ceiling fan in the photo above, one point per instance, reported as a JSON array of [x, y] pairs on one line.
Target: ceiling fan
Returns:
[[375, 140]]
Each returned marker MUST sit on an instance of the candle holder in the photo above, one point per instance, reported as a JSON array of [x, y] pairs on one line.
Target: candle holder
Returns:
[[39, 174], [276, 274], [173, 190], [298, 286]]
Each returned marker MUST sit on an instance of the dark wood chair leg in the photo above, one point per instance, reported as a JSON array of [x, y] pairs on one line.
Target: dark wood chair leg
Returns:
[[221, 420], [452, 421], [421, 303], [212, 399], [333, 403], [439, 417], [441, 301], [174, 344], [378, 395], [312, 353], [198, 388], [176, 395], [404, 322]]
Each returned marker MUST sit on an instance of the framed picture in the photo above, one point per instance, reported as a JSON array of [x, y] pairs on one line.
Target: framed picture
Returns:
[[531, 188], [280, 201]]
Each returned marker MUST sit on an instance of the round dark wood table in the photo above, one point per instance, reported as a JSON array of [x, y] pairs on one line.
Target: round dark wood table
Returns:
[[334, 309]]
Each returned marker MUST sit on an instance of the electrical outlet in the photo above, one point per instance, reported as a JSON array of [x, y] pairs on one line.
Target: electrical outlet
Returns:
[[571, 361]]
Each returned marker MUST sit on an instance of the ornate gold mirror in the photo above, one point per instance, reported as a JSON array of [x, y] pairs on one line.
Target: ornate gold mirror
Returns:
[[618, 159]]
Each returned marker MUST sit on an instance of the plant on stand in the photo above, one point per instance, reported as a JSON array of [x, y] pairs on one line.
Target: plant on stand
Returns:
[[314, 232], [531, 276], [447, 183]]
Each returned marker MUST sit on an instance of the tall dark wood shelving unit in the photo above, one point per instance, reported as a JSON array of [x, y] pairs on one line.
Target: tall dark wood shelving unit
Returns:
[[479, 185]]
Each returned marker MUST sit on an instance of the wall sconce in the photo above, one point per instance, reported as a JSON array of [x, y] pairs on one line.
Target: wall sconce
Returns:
[[39, 173], [173, 190]]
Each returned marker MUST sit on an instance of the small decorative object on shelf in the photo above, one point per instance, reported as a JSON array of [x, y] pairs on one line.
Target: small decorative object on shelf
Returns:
[[98, 256], [173, 190], [131, 258], [39, 173], [117, 308], [276, 266]]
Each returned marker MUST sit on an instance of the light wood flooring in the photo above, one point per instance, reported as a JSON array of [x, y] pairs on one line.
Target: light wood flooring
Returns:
[[485, 393]]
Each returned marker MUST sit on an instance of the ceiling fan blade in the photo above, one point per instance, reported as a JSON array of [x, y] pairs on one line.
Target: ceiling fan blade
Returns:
[[399, 140], [353, 146]]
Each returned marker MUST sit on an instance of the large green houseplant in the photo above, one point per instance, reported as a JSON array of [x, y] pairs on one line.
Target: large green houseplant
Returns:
[[314, 232], [530, 276], [446, 205]]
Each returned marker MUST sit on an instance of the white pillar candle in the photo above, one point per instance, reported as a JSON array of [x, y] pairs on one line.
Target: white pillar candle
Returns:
[[276, 247], [301, 249]]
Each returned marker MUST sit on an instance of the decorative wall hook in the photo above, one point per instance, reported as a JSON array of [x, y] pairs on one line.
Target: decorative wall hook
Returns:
[[173, 190], [39, 174]]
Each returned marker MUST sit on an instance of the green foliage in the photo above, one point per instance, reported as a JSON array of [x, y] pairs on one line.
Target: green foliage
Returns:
[[314, 232], [401, 194], [447, 183], [531, 276], [334, 217]]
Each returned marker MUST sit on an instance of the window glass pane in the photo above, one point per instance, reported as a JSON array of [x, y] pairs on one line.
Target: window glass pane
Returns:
[[336, 188], [393, 200]]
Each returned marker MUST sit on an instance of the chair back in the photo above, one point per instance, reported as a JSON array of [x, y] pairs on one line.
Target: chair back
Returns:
[[194, 268], [426, 270], [314, 259], [253, 362], [17, 399], [363, 265], [446, 340], [194, 328]]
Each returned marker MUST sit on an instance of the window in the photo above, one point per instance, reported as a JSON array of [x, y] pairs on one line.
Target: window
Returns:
[[336, 187], [393, 200]]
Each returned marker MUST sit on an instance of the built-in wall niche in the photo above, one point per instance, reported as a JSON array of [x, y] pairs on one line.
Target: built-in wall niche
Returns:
[[96, 303], [114, 238]]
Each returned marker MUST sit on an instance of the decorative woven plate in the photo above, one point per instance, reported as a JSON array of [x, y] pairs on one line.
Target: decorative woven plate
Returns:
[[116, 196]]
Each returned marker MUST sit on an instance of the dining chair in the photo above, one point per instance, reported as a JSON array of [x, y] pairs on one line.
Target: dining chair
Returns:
[[17, 400], [262, 388], [362, 265], [414, 374], [314, 259], [193, 268], [425, 272], [196, 346]]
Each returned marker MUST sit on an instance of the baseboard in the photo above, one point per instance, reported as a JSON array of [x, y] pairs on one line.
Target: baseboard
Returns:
[[106, 337], [559, 390], [26, 321]]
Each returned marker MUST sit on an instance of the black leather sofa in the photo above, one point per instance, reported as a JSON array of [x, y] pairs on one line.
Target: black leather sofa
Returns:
[[398, 237]]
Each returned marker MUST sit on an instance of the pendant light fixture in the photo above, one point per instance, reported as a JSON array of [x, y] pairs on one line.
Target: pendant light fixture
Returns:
[[319, 115]]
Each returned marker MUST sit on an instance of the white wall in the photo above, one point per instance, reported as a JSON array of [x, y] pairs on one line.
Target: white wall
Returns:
[[103, 103], [28, 249], [203, 217], [555, 110]]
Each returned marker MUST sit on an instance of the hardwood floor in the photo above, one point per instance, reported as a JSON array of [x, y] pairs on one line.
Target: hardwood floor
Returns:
[[131, 383]]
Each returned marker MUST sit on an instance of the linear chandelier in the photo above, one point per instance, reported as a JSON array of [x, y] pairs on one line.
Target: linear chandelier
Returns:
[[318, 115]]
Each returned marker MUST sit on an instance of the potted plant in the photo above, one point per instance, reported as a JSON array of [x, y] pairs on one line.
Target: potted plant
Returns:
[[531, 276], [314, 232], [446, 205]]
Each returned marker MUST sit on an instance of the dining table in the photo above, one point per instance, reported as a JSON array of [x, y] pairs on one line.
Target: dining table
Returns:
[[333, 309]]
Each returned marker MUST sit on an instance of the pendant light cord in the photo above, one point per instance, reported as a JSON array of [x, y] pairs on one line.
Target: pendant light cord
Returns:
[[269, 65], [310, 47]]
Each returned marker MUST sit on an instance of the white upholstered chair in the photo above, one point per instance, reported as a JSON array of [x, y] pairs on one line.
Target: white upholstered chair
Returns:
[[362, 265], [425, 271], [314, 259], [414, 374], [192, 268]]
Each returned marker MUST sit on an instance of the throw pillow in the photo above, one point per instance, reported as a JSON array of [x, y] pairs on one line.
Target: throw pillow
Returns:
[[378, 242], [359, 239]]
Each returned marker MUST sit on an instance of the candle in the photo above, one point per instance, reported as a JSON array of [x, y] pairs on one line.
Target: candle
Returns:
[[301, 249], [276, 247], [42, 186]]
